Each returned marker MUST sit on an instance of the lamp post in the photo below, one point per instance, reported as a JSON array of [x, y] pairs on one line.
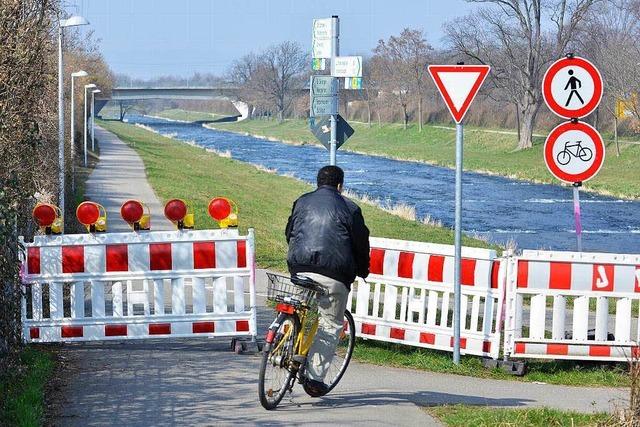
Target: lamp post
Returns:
[[80, 73], [93, 107], [71, 22], [89, 86]]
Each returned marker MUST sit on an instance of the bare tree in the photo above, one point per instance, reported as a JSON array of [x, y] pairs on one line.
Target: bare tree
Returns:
[[406, 57], [395, 88], [278, 73], [519, 38]]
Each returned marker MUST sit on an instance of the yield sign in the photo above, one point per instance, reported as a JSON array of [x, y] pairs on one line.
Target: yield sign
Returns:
[[458, 85]]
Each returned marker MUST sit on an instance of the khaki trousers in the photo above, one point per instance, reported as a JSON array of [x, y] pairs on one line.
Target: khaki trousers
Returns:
[[331, 308]]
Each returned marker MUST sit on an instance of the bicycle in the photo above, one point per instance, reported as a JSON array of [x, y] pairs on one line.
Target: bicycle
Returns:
[[583, 153], [290, 337]]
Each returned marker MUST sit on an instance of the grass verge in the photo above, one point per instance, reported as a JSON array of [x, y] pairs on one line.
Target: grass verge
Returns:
[[489, 152], [467, 415], [189, 116], [175, 169], [22, 394], [550, 372]]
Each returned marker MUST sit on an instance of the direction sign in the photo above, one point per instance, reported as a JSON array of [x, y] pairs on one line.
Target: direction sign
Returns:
[[572, 87], [458, 85], [346, 66], [321, 129], [323, 106], [324, 86], [323, 33], [574, 152]]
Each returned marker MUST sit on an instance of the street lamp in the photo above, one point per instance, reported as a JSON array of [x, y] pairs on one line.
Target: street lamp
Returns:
[[80, 73], [93, 120], [71, 22], [89, 86]]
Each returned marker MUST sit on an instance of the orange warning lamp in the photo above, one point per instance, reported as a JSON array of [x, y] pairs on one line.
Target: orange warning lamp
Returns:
[[93, 216], [48, 217], [133, 212], [225, 211], [181, 214]]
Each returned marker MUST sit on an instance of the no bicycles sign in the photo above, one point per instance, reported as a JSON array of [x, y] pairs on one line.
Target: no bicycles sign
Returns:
[[574, 152]]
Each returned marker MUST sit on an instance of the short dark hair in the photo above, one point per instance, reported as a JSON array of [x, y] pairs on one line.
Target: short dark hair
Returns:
[[330, 175]]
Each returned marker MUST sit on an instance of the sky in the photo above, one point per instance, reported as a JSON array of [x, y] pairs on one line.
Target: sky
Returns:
[[148, 38]]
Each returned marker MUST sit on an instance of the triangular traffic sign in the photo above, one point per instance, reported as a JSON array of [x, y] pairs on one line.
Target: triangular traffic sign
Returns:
[[458, 85]]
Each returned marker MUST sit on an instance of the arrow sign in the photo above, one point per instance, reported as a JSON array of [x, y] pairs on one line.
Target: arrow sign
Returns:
[[458, 85]]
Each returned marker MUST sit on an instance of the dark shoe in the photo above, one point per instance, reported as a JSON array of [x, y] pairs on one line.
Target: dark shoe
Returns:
[[316, 388]]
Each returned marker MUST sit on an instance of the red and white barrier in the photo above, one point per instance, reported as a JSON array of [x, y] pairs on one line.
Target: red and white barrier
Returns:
[[139, 285], [408, 297], [565, 305]]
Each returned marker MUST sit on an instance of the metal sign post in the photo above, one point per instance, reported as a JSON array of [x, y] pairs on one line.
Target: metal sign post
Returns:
[[458, 246], [334, 119], [458, 85], [576, 213]]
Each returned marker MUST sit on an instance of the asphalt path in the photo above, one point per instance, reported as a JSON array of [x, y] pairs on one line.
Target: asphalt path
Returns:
[[202, 382]]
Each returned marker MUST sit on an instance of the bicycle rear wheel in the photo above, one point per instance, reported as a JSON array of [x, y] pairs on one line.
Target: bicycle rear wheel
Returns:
[[276, 372], [342, 355]]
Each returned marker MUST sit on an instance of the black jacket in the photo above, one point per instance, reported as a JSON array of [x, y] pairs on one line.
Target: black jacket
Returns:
[[327, 235]]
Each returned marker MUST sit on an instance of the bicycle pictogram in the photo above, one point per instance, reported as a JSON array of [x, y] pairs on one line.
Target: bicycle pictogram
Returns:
[[574, 149]]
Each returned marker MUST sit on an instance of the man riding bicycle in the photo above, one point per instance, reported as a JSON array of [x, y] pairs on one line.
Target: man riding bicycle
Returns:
[[329, 243]]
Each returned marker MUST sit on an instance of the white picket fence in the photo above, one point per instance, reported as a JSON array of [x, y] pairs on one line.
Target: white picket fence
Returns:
[[139, 285]]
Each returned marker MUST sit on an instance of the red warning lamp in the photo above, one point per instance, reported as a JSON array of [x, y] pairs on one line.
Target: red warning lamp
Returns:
[[177, 211], [45, 214], [92, 215], [224, 211], [133, 212]]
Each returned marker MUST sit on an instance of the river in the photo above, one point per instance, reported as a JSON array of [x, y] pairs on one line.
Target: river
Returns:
[[535, 216]]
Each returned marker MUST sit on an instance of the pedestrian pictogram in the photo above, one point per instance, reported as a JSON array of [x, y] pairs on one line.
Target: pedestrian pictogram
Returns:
[[458, 85], [574, 152], [572, 87]]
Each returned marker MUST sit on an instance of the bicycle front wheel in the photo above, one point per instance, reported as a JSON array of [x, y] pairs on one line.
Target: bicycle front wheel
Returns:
[[342, 355], [276, 371]]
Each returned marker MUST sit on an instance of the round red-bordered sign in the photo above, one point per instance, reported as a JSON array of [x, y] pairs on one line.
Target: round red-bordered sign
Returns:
[[574, 152], [572, 87]]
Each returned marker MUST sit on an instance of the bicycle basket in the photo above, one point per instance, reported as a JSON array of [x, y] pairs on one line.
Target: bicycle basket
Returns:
[[281, 289]]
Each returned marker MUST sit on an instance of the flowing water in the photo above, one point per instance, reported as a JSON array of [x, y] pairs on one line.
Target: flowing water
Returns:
[[535, 216]]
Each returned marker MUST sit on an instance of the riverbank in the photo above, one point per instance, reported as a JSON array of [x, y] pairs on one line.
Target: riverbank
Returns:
[[488, 152]]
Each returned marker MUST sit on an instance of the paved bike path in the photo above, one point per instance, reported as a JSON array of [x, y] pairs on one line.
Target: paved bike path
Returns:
[[201, 382]]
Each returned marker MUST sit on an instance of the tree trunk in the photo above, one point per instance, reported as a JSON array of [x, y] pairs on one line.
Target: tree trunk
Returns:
[[369, 113], [406, 116], [527, 122], [379, 120], [518, 120], [615, 134], [280, 116], [419, 114]]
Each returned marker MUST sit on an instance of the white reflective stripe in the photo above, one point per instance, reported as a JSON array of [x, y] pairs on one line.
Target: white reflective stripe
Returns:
[[182, 256], [602, 318], [448, 270], [77, 300], [390, 263], [390, 302], [220, 295], [158, 296], [537, 317], [138, 254], [226, 254], [199, 300], [559, 317], [51, 260], [94, 259], [538, 277], [420, 267], [116, 295], [177, 296], [582, 277], [56, 308], [580, 318], [623, 320], [238, 294], [624, 278], [97, 298], [482, 274]]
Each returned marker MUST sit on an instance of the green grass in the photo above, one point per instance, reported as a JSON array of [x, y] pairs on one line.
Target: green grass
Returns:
[[190, 116], [264, 199], [484, 151], [23, 394], [176, 169], [477, 416], [551, 372]]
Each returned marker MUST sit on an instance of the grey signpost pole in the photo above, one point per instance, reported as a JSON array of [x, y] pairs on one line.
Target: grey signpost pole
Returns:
[[335, 46], [458, 246]]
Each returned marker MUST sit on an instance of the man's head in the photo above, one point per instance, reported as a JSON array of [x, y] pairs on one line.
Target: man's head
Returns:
[[332, 176]]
